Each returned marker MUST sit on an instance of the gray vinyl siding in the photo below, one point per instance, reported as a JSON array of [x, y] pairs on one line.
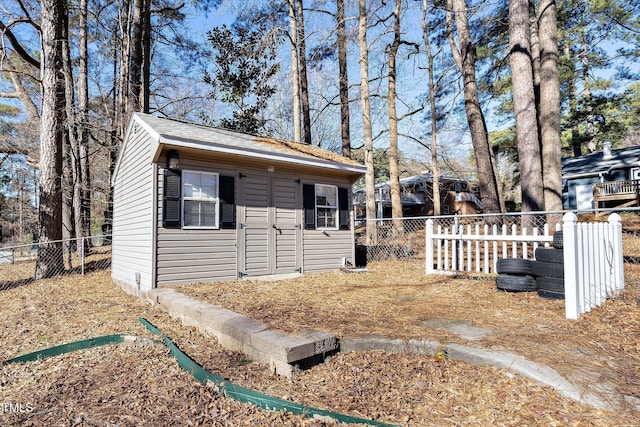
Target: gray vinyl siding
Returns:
[[255, 219], [132, 224], [287, 201], [325, 250], [193, 255]]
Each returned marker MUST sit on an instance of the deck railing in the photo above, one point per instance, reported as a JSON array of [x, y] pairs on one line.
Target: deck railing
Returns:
[[616, 188]]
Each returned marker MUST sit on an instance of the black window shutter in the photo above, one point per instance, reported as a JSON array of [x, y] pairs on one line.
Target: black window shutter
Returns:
[[227, 202], [309, 205], [171, 206], [343, 208]]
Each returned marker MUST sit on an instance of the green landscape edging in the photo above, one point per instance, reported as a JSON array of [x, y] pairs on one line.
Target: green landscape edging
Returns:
[[77, 345], [205, 377], [245, 395]]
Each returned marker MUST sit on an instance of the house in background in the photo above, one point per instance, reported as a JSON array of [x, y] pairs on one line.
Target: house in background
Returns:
[[601, 179], [196, 204], [457, 195]]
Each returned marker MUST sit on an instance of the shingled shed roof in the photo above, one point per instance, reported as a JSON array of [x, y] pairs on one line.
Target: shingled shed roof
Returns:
[[167, 132]]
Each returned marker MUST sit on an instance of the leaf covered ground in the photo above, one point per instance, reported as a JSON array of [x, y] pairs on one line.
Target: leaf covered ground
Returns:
[[143, 385]]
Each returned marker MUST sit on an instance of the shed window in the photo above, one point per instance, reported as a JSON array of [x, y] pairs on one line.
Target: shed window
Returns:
[[327, 206], [200, 201]]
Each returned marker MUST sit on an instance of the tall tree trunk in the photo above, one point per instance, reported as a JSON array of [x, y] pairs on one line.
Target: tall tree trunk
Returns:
[[122, 93], [71, 172], [146, 57], [464, 57], [366, 123], [137, 59], [84, 229], [576, 146], [524, 103], [114, 134], [304, 85], [435, 167], [54, 21], [295, 71], [586, 83], [68, 196], [394, 173], [535, 51], [344, 79], [550, 106]]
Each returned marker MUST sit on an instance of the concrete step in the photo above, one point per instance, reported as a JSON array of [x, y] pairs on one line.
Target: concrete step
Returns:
[[283, 352]]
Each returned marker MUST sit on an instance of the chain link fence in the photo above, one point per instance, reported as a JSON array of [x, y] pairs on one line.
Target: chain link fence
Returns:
[[404, 239], [389, 239], [66, 257]]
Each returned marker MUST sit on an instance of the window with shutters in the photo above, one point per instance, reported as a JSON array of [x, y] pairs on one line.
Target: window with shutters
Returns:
[[326, 207], [200, 203], [193, 199]]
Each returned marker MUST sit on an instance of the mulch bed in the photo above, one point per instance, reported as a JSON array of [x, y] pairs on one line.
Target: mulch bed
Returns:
[[142, 385]]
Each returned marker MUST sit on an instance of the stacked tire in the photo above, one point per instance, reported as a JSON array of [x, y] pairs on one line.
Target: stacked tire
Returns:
[[548, 269], [514, 275]]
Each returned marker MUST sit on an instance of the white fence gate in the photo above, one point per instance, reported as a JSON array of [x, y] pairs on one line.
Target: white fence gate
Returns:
[[593, 266], [593, 262]]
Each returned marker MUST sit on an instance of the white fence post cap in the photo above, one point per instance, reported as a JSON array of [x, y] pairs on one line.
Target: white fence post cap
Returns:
[[569, 217]]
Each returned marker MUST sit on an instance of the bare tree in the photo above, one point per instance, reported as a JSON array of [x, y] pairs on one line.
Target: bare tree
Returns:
[[83, 184], [464, 56], [304, 85], [135, 97], [295, 71], [121, 81], [394, 174], [70, 199], [366, 122], [435, 167], [343, 79]]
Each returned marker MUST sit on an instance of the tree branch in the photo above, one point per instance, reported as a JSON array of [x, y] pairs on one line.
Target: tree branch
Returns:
[[17, 46]]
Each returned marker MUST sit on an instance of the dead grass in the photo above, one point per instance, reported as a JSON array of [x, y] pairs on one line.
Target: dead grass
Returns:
[[121, 385]]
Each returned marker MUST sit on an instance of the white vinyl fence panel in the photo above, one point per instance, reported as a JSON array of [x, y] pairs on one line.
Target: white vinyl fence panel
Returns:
[[593, 262], [478, 248], [593, 259]]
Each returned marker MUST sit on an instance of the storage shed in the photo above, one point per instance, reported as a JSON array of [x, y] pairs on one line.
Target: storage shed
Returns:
[[194, 204]]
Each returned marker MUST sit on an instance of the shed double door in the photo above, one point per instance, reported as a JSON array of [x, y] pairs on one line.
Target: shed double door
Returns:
[[270, 229]]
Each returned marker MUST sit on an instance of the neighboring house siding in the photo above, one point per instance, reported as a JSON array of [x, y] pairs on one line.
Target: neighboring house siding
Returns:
[[193, 255], [132, 224]]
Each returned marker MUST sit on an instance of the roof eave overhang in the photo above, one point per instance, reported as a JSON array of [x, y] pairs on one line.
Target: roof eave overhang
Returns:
[[172, 142], [584, 175]]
